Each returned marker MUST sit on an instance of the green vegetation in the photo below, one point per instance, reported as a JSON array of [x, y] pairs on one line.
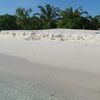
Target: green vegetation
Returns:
[[49, 17]]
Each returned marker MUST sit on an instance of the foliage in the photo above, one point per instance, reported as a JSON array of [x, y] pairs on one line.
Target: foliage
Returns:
[[8, 22], [23, 17], [49, 17], [71, 18]]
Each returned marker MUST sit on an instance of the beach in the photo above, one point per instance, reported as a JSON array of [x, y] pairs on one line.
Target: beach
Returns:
[[57, 64]]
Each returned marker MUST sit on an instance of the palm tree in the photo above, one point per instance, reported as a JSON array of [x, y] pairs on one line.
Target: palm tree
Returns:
[[95, 21], [48, 15], [36, 23], [71, 18], [71, 13], [23, 17]]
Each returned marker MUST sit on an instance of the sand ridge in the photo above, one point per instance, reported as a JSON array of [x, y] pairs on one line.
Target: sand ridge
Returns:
[[45, 68]]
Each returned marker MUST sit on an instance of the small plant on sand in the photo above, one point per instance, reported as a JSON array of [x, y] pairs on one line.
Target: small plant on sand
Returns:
[[52, 37], [62, 39], [14, 35], [24, 34]]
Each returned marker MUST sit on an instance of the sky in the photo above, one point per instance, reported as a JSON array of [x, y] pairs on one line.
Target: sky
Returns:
[[9, 6]]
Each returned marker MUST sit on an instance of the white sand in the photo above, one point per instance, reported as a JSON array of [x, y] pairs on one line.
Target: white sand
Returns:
[[55, 64]]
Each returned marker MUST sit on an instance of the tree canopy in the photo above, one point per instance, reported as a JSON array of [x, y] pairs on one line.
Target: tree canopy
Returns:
[[49, 17]]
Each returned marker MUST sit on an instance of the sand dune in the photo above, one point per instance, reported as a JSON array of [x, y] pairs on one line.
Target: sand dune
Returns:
[[49, 69], [87, 36]]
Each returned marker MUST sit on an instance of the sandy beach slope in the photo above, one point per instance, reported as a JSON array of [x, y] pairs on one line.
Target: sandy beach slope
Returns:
[[50, 65]]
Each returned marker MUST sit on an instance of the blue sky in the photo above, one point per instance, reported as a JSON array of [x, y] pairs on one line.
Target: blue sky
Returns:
[[9, 6]]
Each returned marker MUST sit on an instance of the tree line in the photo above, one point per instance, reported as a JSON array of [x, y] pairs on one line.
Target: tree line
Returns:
[[49, 17]]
